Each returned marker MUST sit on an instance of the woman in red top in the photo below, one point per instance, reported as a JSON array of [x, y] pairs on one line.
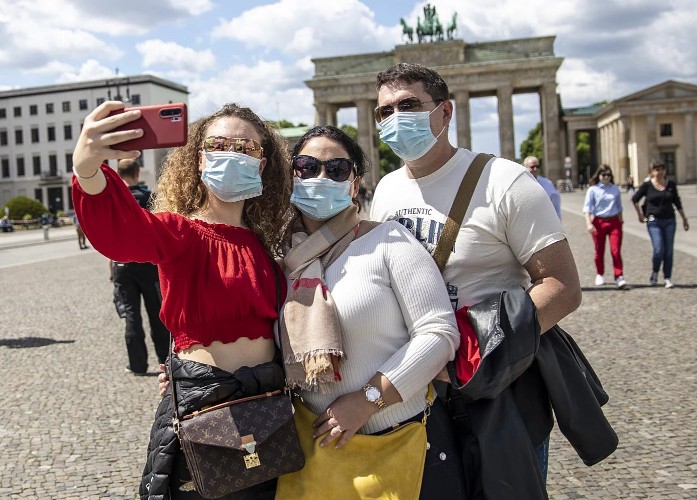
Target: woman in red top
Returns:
[[211, 236]]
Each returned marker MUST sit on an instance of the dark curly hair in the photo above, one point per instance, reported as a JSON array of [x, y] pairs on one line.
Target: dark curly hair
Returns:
[[181, 191]]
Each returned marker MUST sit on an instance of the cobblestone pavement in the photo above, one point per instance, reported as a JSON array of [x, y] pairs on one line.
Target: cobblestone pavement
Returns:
[[75, 426]]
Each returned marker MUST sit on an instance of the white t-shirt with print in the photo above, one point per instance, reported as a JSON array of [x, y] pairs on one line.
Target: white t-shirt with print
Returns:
[[509, 218]]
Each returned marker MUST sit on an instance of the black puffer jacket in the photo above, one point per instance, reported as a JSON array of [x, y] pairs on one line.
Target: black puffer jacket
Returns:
[[197, 385]]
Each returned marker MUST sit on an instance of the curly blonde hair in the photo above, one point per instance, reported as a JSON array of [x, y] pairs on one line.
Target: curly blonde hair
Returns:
[[181, 191]]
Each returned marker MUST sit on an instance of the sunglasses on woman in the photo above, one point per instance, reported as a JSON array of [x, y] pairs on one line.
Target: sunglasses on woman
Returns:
[[219, 143], [408, 104], [337, 169]]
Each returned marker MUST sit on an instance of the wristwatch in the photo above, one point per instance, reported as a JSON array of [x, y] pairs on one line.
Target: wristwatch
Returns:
[[374, 396]]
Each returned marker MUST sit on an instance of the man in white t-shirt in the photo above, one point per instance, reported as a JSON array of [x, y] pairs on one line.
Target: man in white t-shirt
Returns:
[[532, 163], [510, 235]]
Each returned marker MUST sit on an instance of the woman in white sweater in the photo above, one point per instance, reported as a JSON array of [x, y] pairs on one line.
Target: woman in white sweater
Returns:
[[367, 323]]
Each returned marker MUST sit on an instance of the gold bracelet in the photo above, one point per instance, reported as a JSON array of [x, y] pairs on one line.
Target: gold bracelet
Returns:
[[88, 177]]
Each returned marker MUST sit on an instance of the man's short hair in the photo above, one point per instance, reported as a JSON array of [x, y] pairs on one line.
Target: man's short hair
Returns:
[[528, 159], [408, 73], [128, 168]]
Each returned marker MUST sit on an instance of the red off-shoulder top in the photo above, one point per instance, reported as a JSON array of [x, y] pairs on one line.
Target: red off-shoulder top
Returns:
[[217, 280]]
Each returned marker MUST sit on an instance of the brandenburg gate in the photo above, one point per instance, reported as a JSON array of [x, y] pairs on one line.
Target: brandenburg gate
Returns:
[[471, 70]]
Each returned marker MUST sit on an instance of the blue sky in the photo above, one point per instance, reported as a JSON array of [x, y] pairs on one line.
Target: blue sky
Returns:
[[259, 53]]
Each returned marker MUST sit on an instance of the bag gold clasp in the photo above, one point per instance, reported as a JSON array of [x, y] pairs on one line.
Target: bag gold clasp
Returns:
[[252, 459]]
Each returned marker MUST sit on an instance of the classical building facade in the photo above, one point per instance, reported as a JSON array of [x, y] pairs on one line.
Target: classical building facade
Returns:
[[471, 70], [652, 124], [39, 127]]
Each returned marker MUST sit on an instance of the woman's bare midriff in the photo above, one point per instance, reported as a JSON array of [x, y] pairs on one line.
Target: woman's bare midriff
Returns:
[[233, 355]]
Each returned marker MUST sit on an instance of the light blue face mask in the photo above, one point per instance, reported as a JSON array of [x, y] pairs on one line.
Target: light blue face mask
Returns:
[[232, 176], [320, 198], [409, 134]]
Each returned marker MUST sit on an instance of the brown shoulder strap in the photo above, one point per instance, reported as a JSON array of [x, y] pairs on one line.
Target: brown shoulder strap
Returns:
[[458, 209]]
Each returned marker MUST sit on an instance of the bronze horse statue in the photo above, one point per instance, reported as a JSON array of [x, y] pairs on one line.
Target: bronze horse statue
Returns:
[[452, 27], [431, 25], [407, 30]]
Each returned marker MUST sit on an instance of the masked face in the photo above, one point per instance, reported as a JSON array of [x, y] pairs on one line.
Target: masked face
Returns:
[[232, 176], [320, 198], [409, 134]]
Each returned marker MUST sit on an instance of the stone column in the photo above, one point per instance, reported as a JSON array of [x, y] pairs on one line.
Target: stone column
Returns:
[[368, 140], [690, 160], [623, 145], [330, 114], [571, 145], [549, 106], [320, 113], [651, 142], [505, 106], [464, 127], [616, 151]]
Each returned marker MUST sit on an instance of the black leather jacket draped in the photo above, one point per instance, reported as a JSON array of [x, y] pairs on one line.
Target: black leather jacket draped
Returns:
[[504, 410]]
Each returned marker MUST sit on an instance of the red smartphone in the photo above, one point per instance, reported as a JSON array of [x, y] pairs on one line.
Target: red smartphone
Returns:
[[164, 126]]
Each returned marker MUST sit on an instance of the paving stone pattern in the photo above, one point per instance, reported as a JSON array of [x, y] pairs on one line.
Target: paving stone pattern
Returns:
[[75, 426]]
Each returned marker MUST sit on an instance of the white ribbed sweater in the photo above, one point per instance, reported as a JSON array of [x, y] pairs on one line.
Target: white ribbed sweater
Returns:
[[396, 319]]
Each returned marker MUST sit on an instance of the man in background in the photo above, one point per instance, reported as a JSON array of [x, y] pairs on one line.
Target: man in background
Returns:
[[133, 280], [532, 163]]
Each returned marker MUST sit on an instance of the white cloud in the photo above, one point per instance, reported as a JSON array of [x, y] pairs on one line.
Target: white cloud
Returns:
[[581, 85], [309, 27], [122, 18], [89, 70], [175, 56], [270, 88]]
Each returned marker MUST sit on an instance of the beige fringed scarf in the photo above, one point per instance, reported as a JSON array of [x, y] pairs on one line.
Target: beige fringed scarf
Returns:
[[311, 333]]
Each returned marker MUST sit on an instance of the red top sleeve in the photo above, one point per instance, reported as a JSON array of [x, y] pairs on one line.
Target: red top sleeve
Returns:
[[122, 230]]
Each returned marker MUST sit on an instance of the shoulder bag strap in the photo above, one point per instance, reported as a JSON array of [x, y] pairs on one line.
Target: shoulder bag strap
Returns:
[[458, 209]]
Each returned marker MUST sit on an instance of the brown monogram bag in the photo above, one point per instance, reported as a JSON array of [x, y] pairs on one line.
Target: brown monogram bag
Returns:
[[238, 444]]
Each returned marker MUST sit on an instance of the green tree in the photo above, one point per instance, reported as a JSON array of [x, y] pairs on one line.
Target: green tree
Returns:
[[388, 160], [583, 150], [351, 131], [532, 146], [285, 124], [20, 206]]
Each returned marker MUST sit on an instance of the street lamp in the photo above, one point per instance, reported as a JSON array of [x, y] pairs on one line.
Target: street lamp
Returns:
[[117, 82]]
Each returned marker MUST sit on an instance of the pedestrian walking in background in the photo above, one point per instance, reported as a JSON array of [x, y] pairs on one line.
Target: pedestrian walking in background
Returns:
[[136, 280], [603, 210], [81, 240], [658, 213], [532, 163]]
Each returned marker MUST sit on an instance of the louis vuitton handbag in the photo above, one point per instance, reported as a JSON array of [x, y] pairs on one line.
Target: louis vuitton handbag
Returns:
[[388, 466], [238, 444]]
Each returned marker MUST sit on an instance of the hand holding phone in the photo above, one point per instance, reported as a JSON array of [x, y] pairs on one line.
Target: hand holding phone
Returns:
[[164, 126]]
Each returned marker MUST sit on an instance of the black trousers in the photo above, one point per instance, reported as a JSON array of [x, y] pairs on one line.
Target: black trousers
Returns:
[[133, 281]]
